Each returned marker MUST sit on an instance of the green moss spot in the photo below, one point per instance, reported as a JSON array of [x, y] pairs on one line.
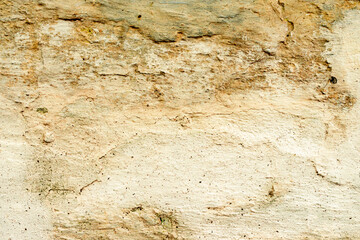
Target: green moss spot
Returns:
[[166, 221], [42, 110], [88, 30]]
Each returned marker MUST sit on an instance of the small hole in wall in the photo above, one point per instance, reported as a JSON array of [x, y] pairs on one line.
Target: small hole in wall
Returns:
[[333, 80]]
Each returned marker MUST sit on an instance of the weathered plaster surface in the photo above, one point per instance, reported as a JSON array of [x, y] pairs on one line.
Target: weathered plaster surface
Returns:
[[179, 119]]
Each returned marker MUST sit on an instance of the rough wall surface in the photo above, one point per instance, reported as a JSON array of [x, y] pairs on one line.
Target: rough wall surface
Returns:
[[179, 119]]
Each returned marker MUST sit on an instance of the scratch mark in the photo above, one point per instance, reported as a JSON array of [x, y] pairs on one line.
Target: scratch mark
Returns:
[[87, 185], [323, 176]]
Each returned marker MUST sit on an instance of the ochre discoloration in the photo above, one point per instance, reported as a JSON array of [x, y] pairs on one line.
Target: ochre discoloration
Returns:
[[134, 223]]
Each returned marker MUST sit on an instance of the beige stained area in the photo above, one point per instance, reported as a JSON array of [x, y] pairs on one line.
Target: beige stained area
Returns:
[[179, 119]]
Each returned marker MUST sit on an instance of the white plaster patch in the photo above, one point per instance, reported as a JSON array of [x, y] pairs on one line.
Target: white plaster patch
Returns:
[[343, 53], [22, 215], [58, 32]]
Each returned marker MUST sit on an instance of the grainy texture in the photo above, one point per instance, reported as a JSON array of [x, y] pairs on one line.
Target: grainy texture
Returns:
[[179, 119]]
